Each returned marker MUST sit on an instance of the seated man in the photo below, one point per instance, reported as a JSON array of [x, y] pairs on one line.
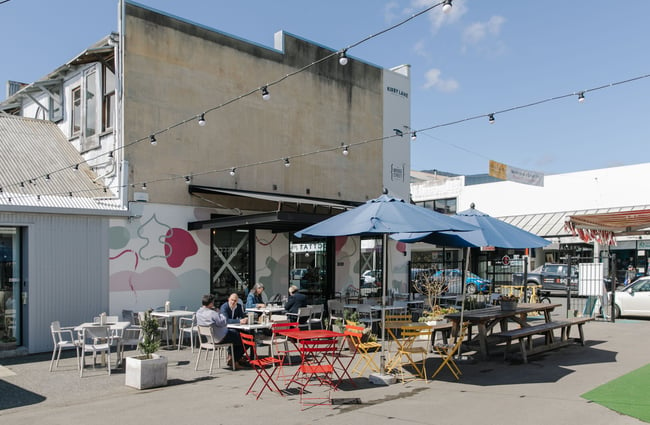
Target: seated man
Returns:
[[233, 310], [295, 302], [208, 316]]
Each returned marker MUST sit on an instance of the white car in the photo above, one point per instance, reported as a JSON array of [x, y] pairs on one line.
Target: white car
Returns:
[[632, 300]]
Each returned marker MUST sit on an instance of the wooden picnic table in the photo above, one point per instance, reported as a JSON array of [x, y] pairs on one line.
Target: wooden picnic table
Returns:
[[485, 319]]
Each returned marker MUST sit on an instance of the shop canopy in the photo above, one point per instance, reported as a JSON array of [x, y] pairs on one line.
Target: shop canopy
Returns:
[[603, 227]]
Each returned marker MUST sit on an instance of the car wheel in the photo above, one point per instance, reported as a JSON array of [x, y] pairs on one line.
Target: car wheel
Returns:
[[617, 311], [471, 289]]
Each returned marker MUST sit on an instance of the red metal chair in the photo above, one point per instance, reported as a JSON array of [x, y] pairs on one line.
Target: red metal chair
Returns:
[[316, 369], [264, 366]]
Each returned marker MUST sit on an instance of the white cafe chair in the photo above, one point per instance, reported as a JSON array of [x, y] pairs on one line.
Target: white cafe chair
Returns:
[[62, 338]]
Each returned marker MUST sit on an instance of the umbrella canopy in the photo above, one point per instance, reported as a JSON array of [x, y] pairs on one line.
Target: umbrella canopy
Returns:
[[385, 215], [491, 232]]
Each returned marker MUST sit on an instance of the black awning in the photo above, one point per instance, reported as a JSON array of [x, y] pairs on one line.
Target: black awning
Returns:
[[279, 221]]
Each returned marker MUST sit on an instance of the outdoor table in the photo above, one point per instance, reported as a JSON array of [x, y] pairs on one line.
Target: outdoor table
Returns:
[[249, 327], [391, 327], [174, 315], [299, 334], [115, 327], [487, 318], [271, 309]]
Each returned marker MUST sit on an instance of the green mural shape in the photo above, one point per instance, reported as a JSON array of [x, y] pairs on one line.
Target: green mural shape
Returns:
[[118, 237]]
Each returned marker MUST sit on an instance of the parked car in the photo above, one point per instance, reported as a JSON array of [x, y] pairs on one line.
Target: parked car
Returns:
[[632, 300], [371, 276], [453, 278], [552, 277]]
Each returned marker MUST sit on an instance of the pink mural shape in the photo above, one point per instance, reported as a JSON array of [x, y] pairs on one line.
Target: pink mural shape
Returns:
[[401, 247], [179, 245], [152, 279]]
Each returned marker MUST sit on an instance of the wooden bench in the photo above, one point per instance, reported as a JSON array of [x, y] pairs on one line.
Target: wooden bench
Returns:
[[525, 334], [577, 321]]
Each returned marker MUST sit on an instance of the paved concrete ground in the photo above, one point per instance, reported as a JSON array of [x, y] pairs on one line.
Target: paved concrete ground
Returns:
[[544, 391]]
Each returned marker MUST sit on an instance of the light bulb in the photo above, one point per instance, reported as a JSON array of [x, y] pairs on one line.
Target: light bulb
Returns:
[[581, 97], [188, 179], [202, 120], [287, 163], [446, 7], [152, 140], [144, 186], [491, 118], [346, 151], [265, 93], [414, 136], [343, 59], [232, 171]]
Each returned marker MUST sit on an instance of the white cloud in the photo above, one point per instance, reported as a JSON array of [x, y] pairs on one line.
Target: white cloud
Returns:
[[436, 16], [433, 80], [389, 11], [478, 31], [420, 49]]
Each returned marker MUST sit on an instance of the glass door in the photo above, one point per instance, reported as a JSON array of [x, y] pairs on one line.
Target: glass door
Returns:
[[10, 278], [308, 268]]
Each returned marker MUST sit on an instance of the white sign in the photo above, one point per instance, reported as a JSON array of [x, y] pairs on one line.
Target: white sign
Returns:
[[308, 247]]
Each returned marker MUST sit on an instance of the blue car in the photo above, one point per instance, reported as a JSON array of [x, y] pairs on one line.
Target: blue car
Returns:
[[474, 283]]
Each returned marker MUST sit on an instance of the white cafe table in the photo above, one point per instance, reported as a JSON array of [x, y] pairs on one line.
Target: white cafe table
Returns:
[[272, 309], [249, 327], [174, 315], [115, 327]]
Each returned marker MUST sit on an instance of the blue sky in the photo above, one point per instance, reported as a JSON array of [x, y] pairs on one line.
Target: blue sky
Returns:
[[484, 57]]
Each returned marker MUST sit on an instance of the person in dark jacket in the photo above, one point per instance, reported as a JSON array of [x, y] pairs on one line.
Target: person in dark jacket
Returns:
[[233, 310], [295, 300]]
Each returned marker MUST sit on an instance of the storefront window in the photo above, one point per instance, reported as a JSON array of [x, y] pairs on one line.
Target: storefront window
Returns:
[[371, 270], [308, 268], [230, 264]]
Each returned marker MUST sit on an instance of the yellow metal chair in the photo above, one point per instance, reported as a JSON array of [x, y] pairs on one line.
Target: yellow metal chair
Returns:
[[447, 352], [365, 350], [415, 340]]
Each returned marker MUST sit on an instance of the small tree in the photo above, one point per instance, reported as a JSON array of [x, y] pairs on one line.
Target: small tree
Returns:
[[150, 336], [430, 288]]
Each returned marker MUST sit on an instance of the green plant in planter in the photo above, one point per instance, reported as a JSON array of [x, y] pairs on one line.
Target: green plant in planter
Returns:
[[8, 339], [150, 336]]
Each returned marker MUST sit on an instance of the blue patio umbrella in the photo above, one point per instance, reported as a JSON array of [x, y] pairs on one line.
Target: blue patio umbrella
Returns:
[[385, 215], [491, 232]]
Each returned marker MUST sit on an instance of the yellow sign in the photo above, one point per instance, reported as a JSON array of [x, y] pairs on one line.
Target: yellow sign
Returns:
[[498, 170]]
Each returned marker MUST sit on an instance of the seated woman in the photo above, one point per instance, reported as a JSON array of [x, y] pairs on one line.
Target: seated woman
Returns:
[[254, 299]]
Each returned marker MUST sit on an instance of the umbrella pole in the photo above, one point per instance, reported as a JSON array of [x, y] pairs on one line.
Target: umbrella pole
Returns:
[[382, 358], [462, 302]]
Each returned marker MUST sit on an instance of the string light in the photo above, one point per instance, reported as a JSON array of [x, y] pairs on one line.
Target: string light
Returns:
[[446, 7], [202, 120], [144, 186], [265, 93], [47, 178], [398, 132], [152, 140], [110, 154], [287, 163], [581, 97], [76, 167], [22, 184], [188, 179], [414, 136], [233, 170], [491, 118], [343, 59], [346, 150]]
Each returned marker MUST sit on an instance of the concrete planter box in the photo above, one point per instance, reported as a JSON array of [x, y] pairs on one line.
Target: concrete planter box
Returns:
[[143, 373]]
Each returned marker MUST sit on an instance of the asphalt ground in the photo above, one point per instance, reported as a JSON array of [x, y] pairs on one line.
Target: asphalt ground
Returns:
[[545, 391]]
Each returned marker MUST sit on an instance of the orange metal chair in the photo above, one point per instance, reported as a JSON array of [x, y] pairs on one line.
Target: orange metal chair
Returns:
[[365, 350], [263, 366]]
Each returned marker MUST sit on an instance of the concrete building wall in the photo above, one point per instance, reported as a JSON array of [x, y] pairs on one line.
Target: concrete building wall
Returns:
[[174, 70]]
